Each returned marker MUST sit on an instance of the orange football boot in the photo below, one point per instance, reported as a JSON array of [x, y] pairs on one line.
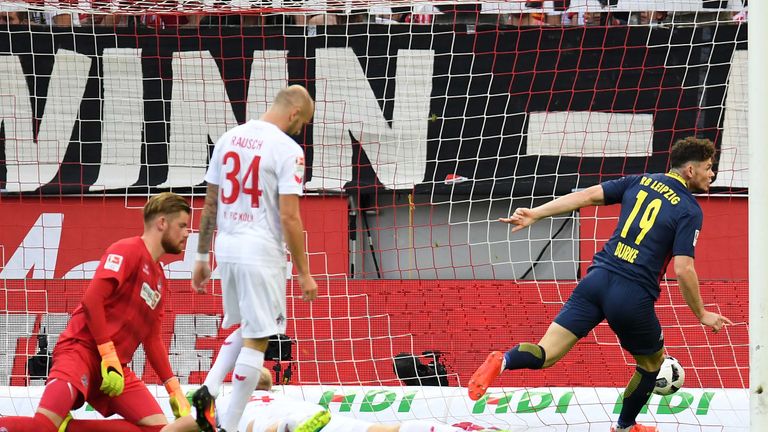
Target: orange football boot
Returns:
[[484, 375]]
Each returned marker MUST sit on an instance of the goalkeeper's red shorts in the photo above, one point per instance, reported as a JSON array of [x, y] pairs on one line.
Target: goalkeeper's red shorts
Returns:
[[81, 367]]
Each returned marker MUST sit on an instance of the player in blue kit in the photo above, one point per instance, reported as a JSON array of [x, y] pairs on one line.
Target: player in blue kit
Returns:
[[660, 219]]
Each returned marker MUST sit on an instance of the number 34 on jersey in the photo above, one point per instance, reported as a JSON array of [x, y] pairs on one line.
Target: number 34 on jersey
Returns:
[[249, 184]]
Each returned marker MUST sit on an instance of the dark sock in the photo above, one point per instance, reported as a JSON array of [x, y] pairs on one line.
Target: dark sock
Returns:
[[38, 423], [636, 396], [525, 356]]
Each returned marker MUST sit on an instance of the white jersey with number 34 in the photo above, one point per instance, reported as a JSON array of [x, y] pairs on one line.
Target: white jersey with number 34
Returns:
[[253, 164]]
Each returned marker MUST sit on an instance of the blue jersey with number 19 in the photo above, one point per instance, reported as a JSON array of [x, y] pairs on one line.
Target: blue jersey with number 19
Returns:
[[660, 218]]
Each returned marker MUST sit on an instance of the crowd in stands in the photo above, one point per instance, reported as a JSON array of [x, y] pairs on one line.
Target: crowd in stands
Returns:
[[536, 14]]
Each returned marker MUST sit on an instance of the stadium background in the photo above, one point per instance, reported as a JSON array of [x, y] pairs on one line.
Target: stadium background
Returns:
[[434, 285]]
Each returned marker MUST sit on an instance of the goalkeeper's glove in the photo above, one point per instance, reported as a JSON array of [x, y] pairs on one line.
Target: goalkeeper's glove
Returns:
[[179, 402], [112, 381]]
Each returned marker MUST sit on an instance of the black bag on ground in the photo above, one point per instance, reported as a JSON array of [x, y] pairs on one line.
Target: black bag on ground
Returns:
[[412, 372]]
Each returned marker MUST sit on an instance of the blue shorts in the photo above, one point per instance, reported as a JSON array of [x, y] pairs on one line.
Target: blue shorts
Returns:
[[627, 306]]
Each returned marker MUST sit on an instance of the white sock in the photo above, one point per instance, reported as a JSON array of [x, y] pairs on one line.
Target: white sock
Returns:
[[224, 363], [245, 377], [425, 426]]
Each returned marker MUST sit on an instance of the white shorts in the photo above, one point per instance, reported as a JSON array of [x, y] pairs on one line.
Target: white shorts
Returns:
[[253, 297]]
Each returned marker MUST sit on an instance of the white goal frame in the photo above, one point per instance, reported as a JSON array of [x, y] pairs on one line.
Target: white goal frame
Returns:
[[758, 212]]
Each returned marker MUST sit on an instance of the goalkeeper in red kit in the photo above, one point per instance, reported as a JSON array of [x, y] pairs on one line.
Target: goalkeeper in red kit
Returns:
[[121, 308]]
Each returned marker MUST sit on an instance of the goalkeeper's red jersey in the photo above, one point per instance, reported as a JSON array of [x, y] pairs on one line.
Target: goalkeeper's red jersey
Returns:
[[134, 309]]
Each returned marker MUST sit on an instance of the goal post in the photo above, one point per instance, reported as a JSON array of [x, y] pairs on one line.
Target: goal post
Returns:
[[758, 212]]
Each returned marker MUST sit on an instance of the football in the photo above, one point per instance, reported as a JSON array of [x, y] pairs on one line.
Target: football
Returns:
[[670, 378]]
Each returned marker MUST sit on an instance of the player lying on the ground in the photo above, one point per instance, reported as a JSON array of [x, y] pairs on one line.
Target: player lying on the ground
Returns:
[[121, 308], [273, 412], [660, 219]]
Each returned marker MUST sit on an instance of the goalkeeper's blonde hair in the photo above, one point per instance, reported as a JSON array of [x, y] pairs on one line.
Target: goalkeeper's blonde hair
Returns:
[[165, 203]]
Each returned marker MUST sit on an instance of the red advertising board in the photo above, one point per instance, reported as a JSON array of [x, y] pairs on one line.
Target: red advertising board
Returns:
[[60, 234], [49, 248], [351, 332]]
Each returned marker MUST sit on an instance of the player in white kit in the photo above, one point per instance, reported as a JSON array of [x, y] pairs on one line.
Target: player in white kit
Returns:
[[255, 178]]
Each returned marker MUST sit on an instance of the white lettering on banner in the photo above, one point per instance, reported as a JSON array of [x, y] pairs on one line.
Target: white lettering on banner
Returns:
[[16, 117], [85, 270], [398, 151], [200, 111], [16, 326], [587, 409], [123, 116], [590, 134], [38, 251], [124, 111], [733, 167], [183, 269], [269, 74], [346, 103], [32, 163], [185, 359]]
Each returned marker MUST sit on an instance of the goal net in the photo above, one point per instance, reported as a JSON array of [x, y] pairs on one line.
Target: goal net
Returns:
[[433, 119]]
